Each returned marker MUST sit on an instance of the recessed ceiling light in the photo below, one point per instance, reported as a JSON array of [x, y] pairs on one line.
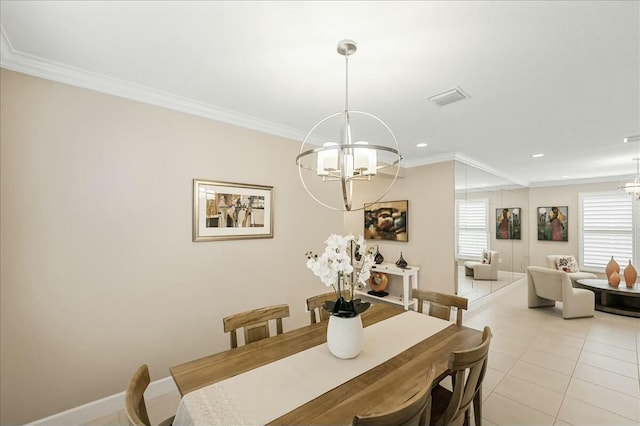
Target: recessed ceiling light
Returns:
[[564, 177], [537, 155], [421, 144], [628, 139]]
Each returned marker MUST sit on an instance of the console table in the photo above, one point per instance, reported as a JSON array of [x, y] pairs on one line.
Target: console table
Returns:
[[409, 281], [615, 300]]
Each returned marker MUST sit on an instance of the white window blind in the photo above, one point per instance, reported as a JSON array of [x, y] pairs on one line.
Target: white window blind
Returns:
[[607, 229], [472, 228]]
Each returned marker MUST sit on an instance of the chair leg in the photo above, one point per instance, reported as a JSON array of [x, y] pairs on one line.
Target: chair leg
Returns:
[[477, 407]]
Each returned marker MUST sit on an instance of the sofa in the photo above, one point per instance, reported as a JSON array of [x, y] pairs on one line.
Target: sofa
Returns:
[[552, 263], [483, 271], [545, 286]]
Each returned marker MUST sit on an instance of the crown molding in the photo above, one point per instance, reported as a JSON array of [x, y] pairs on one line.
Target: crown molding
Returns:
[[432, 159], [17, 61], [470, 161], [464, 159], [580, 181]]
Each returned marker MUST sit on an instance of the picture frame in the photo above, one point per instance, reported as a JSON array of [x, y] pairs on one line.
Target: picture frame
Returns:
[[387, 220], [509, 223], [231, 211], [553, 223]]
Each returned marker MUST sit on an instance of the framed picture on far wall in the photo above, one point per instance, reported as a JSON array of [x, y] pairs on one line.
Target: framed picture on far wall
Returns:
[[552, 223], [508, 221], [386, 220], [230, 211]]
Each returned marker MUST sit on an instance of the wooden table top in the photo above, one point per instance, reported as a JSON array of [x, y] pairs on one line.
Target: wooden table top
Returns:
[[379, 389]]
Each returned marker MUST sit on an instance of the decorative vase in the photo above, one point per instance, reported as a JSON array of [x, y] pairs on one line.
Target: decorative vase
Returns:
[[401, 263], [614, 279], [612, 266], [378, 259], [356, 254], [345, 336], [378, 283], [630, 275]]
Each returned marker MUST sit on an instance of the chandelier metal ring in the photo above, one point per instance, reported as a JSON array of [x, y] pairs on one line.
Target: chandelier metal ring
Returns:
[[343, 160], [347, 189]]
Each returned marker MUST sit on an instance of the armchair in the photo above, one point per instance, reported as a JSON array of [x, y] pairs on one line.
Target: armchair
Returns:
[[483, 271], [546, 286]]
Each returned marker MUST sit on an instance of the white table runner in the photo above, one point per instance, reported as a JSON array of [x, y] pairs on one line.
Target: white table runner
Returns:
[[261, 395]]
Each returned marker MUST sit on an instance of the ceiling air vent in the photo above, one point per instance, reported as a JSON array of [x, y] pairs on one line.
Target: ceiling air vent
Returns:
[[448, 97]]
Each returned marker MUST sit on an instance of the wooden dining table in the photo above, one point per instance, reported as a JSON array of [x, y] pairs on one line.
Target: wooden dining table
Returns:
[[380, 388]]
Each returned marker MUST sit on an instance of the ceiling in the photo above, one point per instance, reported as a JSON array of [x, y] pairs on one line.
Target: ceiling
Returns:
[[558, 78]]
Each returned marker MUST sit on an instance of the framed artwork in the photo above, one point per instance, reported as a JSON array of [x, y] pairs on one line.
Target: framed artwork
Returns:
[[552, 223], [231, 211], [508, 223], [386, 221]]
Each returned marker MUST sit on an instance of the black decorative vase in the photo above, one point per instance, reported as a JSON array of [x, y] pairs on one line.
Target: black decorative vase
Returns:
[[401, 263], [357, 254], [378, 259]]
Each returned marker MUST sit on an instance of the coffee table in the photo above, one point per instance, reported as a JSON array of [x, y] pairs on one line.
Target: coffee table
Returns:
[[619, 300]]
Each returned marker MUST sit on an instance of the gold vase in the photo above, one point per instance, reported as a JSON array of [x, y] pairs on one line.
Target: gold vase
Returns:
[[630, 275], [612, 266]]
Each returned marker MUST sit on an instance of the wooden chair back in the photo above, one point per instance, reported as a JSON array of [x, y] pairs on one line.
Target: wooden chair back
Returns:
[[469, 367], [255, 323], [416, 411], [314, 305], [134, 399], [440, 304]]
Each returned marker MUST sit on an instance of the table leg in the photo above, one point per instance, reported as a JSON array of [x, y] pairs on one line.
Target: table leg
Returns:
[[406, 293]]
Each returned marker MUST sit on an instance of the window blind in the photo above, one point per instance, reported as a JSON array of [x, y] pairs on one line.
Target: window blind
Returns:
[[472, 228], [607, 229]]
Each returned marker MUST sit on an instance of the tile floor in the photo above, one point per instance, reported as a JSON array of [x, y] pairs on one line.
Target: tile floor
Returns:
[[543, 370], [475, 289]]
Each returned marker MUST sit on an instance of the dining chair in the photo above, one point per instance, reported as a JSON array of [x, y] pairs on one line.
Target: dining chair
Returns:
[[255, 323], [440, 304], [134, 399], [315, 303], [468, 368], [415, 411]]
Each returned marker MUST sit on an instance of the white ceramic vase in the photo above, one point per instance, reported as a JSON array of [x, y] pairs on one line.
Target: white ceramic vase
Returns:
[[345, 336]]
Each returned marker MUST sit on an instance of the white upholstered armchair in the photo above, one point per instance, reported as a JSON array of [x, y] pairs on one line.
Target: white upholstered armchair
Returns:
[[546, 286], [483, 271]]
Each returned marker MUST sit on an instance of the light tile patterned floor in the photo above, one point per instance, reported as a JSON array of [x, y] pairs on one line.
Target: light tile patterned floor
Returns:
[[475, 289], [543, 370]]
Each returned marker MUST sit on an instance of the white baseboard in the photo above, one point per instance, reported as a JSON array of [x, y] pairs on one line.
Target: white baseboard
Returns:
[[102, 407]]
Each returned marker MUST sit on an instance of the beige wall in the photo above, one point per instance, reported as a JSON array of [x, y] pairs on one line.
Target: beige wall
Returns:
[[430, 192], [98, 270], [562, 196]]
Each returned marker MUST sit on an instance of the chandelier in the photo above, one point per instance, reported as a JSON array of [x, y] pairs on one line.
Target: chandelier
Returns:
[[346, 149], [632, 186]]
